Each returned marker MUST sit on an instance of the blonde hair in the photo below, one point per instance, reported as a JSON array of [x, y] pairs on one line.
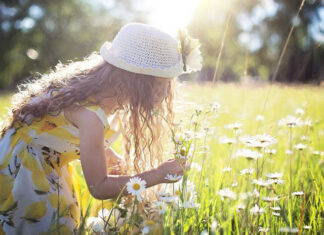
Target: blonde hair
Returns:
[[76, 81]]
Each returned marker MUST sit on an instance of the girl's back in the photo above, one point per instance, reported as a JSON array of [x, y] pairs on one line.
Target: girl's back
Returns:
[[36, 177]]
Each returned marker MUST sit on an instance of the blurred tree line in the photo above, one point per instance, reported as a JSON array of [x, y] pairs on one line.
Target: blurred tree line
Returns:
[[255, 36], [36, 34]]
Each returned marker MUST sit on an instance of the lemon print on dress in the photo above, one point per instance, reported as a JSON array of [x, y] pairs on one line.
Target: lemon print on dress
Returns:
[[35, 211], [39, 179], [7, 201], [47, 126]]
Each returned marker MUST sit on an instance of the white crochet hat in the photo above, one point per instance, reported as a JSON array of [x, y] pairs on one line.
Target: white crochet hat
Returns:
[[144, 49]]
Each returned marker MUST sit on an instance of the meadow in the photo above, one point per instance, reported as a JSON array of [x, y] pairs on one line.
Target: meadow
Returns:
[[256, 155]]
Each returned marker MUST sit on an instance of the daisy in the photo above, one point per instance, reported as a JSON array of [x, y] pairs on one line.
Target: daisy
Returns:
[[307, 227], [161, 207], [275, 175], [276, 208], [266, 139], [204, 232], [167, 197], [246, 171], [300, 146], [271, 151], [258, 141], [289, 121], [227, 140], [263, 183], [173, 177], [234, 126], [275, 214], [305, 138], [96, 223], [215, 107], [308, 123], [289, 152], [277, 181], [297, 193], [259, 117], [248, 140], [316, 152], [256, 193], [187, 135], [181, 152], [257, 210], [201, 135], [288, 230], [244, 196], [177, 139], [240, 207], [226, 169], [263, 230], [300, 112], [135, 186], [104, 214], [270, 199], [213, 226], [248, 154], [226, 193]]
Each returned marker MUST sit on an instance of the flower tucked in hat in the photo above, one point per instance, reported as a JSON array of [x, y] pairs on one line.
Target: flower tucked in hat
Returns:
[[144, 49], [189, 48]]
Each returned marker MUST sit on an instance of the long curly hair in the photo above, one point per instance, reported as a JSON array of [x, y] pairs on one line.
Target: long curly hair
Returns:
[[75, 82]]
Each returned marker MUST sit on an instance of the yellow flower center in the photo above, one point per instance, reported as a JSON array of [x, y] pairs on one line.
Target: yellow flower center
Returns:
[[177, 192], [136, 186], [160, 207]]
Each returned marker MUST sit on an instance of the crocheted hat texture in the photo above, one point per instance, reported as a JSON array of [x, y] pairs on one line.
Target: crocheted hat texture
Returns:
[[144, 49]]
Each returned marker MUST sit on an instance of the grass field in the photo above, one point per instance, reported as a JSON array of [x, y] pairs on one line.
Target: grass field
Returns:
[[301, 166], [255, 169], [4, 103]]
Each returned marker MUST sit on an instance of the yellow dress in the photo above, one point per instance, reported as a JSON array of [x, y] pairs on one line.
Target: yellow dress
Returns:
[[37, 193]]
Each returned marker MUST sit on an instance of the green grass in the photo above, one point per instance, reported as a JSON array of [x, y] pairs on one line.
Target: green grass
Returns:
[[5, 99], [242, 104]]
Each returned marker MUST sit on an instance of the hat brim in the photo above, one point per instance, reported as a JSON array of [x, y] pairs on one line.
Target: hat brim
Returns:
[[108, 56]]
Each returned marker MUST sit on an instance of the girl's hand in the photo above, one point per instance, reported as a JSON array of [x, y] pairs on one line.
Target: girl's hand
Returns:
[[115, 170], [171, 166], [115, 163]]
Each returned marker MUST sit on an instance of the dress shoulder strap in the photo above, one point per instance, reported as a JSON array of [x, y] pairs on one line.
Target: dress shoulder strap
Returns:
[[100, 113]]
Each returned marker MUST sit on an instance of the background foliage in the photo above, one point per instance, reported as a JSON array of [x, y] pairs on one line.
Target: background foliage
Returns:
[[35, 35]]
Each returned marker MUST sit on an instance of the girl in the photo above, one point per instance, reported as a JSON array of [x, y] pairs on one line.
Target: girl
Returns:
[[73, 113]]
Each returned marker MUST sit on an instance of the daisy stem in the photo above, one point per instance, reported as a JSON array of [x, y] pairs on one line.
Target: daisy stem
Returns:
[[58, 207], [290, 169], [202, 166], [302, 215], [263, 161], [119, 196], [131, 217]]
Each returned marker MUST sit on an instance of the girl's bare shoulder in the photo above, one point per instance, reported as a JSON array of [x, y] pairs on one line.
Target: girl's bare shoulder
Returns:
[[81, 117]]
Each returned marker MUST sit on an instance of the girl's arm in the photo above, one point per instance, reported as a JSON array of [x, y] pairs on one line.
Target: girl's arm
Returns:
[[93, 160]]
